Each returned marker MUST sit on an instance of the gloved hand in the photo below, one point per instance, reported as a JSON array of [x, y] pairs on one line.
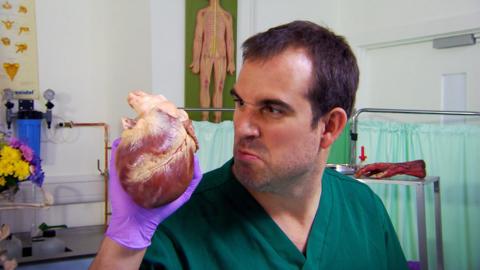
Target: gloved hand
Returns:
[[131, 225]]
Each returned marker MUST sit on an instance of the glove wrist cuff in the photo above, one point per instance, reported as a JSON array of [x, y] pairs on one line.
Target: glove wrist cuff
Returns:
[[128, 233]]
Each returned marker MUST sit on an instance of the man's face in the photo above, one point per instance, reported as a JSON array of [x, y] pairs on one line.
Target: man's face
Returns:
[[275, 146]]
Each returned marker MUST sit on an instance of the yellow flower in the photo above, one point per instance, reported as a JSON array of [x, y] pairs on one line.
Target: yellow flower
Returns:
[[10, 153], [11, 164], [22, 170], [6, 167], [2, 182]]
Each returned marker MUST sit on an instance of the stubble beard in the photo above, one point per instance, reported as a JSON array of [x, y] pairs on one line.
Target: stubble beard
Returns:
[[270, 180], [270, 176], [252, 179], [253, 176]]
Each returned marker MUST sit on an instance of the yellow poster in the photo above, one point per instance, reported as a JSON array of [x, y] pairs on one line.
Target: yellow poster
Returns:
[[18, 48]]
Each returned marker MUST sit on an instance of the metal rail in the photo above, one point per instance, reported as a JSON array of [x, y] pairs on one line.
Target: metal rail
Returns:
[[354, 127], [208, 109]]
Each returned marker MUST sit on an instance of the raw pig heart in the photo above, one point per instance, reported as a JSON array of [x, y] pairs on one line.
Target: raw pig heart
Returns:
[[154, 160]]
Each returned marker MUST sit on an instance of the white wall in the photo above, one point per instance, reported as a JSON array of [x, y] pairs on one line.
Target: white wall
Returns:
[[269, 13], [373, 21], [91, 53], [393, 42], [168, 39], [410, 77]]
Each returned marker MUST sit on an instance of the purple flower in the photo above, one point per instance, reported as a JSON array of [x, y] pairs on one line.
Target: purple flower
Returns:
[[35, 161], [14, 142], [37, 177], [27, 152]]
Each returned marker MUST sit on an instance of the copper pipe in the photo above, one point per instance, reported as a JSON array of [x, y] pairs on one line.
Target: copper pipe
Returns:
[[105, 173]]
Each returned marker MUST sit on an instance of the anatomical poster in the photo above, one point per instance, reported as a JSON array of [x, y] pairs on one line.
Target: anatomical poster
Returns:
[[18, 48], [210, 57]]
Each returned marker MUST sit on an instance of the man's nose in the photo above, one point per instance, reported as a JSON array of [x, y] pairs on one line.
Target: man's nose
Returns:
[[245, 122]]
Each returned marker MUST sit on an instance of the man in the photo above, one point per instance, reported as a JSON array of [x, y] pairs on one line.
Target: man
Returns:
[[213, 48], [275, 206]]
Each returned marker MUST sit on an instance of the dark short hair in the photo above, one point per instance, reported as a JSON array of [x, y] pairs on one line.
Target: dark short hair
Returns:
[[335, 76]]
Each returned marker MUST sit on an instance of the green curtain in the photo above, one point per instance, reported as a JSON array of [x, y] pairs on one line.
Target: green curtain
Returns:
[[452, 152], [216, 143], [340, 150]]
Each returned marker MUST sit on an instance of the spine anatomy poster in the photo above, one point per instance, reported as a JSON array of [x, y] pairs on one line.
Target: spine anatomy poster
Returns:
[[210, 57], [18, 48]]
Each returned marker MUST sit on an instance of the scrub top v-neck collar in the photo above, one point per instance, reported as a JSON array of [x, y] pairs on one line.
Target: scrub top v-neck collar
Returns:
[[259, 218]]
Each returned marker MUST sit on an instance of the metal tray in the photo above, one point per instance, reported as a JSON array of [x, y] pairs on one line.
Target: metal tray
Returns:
[[346, 169]]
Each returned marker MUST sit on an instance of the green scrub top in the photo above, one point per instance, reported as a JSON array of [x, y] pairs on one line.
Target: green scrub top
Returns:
[[223, 227]]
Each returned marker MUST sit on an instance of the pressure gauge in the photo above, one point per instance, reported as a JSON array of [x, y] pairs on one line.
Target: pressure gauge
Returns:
[[49, 94], [7, 94]]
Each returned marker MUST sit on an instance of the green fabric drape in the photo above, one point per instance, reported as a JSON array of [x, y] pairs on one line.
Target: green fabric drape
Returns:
[[451, 152], [340, 150], [216, 143]]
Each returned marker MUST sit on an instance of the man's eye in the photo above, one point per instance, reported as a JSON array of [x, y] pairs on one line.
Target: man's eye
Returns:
[[272, 111]]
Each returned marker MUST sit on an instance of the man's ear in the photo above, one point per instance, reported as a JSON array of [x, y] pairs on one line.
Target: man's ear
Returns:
[[334, 121]]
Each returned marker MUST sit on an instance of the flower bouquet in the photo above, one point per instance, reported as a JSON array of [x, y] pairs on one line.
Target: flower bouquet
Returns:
[[18, 163]]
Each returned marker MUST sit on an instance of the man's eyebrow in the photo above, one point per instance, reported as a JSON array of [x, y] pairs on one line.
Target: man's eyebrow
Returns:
[[266, 102], [276, 102], [234, 94]]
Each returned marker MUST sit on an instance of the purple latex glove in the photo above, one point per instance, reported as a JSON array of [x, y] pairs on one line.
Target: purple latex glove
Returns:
[[133, 226]]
